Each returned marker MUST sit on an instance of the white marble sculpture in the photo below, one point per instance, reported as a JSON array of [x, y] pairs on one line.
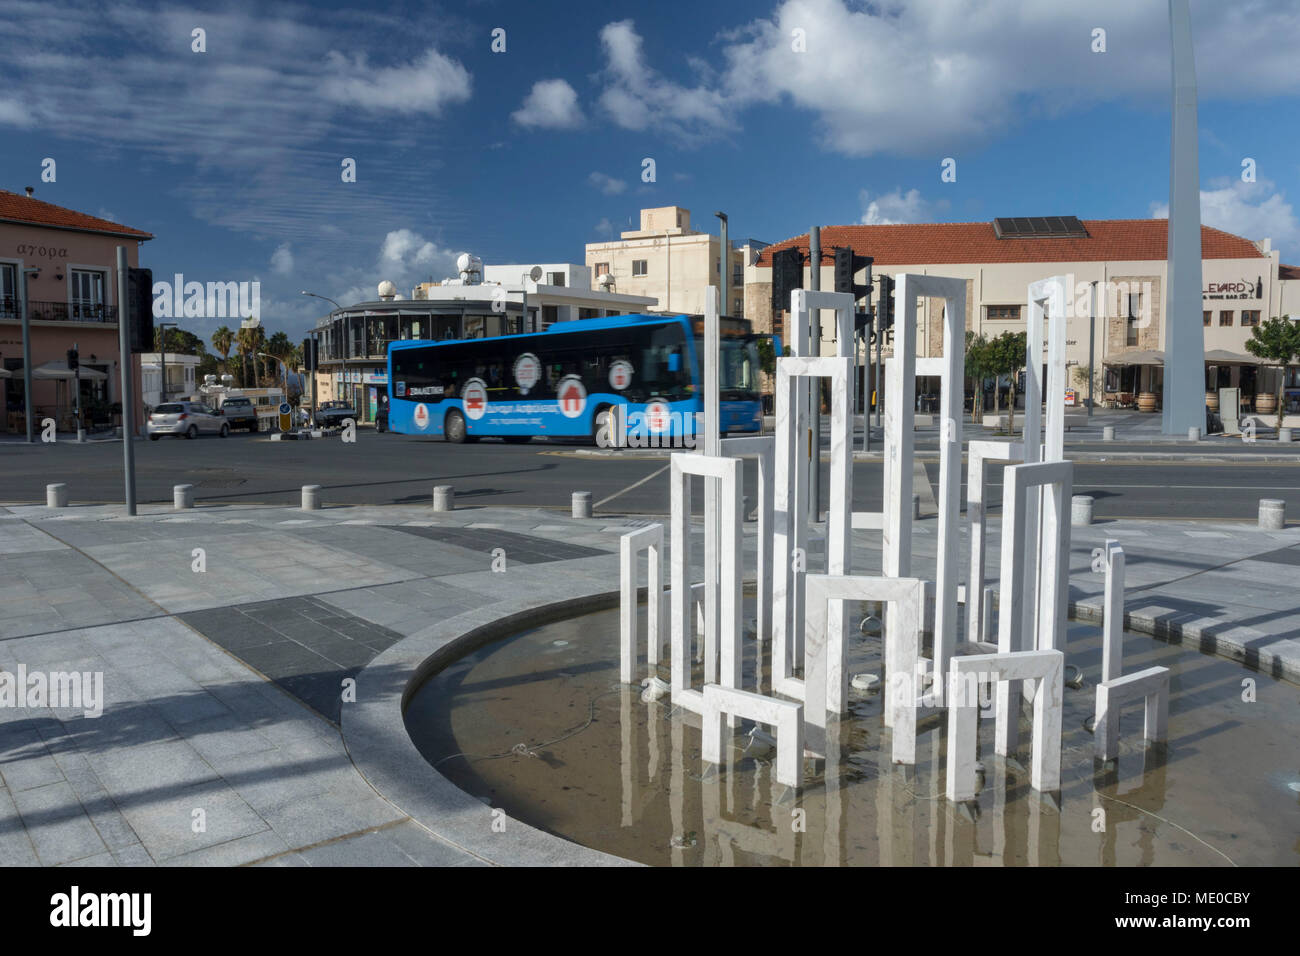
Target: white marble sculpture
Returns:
[[726, 475], [1051, 557], [630, 546], [1116, 688], [786, 716], [761, 448], [978, 455]]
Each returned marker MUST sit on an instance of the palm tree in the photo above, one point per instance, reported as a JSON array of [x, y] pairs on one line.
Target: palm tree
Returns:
[[222, 340], [249, 342]]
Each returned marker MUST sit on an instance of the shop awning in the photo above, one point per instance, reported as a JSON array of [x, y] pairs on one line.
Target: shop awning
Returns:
[[60, 371], [1224, 357], [1135, 357]]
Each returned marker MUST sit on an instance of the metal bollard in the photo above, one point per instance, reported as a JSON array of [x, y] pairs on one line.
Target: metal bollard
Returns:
[[1272, 514], [916, 506], [56, 496], [182, 496], [1194, 433], [582, 504], [1284, 434], [1081, 510], [1108, 433], [444, 498], [311, 497]]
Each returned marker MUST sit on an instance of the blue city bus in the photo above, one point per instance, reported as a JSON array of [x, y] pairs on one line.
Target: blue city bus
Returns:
[[563, 381]]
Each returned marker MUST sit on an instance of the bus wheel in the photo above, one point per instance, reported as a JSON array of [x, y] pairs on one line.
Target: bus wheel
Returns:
[[516, 439], [453, 428]]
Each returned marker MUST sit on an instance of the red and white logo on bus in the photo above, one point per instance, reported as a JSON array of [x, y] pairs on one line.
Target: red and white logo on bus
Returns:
[[422, 416], [474, 399], [528, 371], [620, 375], [656, 416], [572, 396]]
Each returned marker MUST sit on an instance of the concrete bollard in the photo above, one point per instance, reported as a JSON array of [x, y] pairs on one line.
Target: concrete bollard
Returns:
[[1194, 433], [1284, 434], [1272, 514], [56, 496], [1108, 433], [582, 504], [444, 498], [916, 506], [311, 497], [1081, 510], [182, 497]]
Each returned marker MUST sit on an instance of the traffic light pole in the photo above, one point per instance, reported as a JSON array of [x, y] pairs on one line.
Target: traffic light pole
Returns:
[[128, 400], [76, 384]]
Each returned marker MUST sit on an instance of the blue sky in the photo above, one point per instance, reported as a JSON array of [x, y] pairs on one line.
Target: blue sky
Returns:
[[231, 157]]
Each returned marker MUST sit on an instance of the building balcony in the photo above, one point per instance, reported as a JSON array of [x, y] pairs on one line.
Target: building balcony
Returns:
[[58, 311]]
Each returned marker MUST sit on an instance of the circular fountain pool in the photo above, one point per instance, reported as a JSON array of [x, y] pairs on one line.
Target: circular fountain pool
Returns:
[[539, 725]]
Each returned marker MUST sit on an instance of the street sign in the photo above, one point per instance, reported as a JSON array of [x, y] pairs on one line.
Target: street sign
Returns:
[[474, 399], [572, 395], [286, 416]]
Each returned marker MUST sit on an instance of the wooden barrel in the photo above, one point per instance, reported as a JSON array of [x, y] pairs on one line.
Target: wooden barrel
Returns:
[[1265, 403], [1147, 402], [1212, 401]]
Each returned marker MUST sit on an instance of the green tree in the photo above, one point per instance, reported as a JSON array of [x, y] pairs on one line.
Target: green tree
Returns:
[[1007, 357], [249, 342], [179, 342], [978, 369], [1277, 340]]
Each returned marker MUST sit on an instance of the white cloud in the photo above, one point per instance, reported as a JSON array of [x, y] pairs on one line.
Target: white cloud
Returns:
[[282, 259], [423, 86], [604, 228], [607, 184], [916, 77], [1255, 211], [12, 113], [894, 207], [551, 104], [638, 97]]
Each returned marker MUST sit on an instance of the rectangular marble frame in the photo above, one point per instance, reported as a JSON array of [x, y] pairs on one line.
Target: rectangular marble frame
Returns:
[[763, 449], [1112, 627], [978, 455], [630, 546], [1150, 686], [1052, 552], [899, 445], [1047, 669], [785, 716], [727, 473], [825, 669], [787, 592], [1047, 298]]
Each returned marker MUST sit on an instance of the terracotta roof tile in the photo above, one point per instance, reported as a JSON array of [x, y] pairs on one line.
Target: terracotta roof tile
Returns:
[[1285, 271], [1108, 240], [15, 207]]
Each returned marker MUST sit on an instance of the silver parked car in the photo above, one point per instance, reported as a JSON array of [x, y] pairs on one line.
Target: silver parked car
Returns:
[[186, 418]]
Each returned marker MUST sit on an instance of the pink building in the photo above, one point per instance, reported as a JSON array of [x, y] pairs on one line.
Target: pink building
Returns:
[[72, 300]]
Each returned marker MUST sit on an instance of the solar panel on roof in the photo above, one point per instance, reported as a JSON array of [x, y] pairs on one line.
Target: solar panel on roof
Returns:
[[1038, 227]]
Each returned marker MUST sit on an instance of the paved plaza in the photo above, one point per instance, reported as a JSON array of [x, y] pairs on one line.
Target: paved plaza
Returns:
[[227, 736]]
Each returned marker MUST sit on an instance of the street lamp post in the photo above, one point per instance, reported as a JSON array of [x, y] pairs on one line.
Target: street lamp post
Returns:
[[316, 366], [28, 409]]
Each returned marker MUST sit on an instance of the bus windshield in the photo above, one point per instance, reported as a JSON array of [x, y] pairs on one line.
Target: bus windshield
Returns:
[[738, 370]]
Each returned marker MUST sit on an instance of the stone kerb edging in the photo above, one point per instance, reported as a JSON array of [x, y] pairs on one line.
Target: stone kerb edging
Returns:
[[375, 735]]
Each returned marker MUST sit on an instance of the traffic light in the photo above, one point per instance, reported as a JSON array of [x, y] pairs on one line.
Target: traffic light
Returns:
[[309, 354], [847, 265], [787, 275], [139, 306], [72, 360], [885, 309]]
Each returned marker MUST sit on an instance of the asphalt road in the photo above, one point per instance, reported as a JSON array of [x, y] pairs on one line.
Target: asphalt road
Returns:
[[383, 469]]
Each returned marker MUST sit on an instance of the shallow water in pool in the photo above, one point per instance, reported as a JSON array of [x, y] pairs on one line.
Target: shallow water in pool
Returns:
[[537, 724]]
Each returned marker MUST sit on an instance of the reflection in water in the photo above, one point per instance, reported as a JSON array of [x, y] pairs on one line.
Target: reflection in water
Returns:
[[539, 725]]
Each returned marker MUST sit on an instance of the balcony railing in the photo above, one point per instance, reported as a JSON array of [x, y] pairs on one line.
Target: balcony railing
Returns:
[[58, 311]]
